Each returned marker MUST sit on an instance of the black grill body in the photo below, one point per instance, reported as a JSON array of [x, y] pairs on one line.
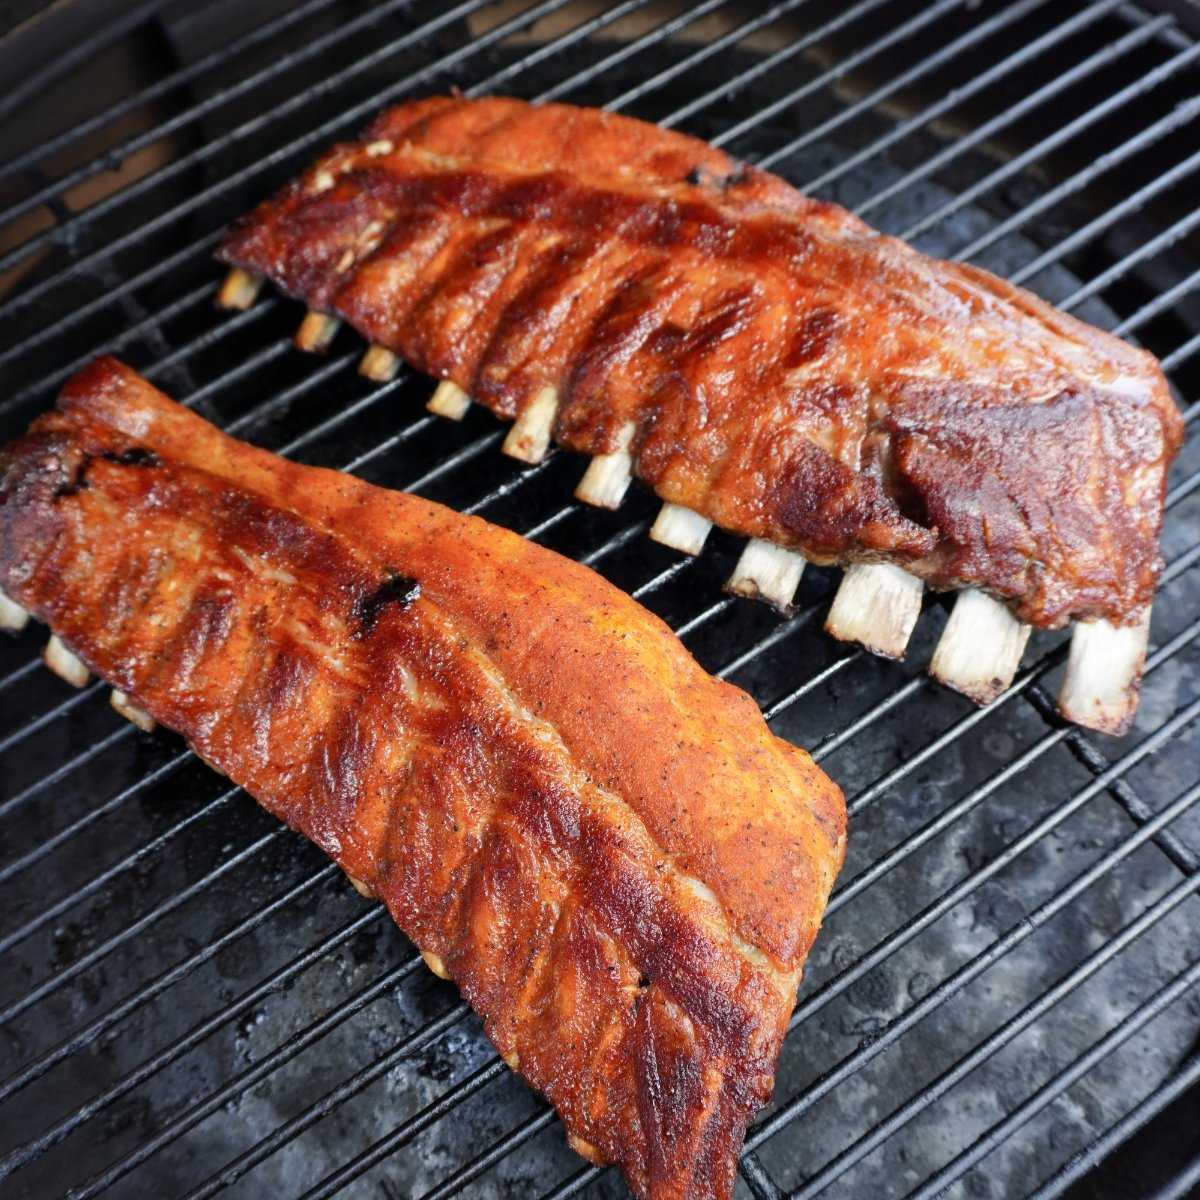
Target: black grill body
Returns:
[[1003, 1000]]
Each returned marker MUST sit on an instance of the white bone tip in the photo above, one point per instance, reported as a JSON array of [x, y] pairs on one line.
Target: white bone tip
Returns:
[[1104, 669], [980, 648], [240, 290], [435, 964], [767, 572], [379, 364], [529, 437], [130, 711], [12, 616], [680, 528], [316, 331], [64, 664], [876, 605], [361, 888], [608, 476], [449, 401]]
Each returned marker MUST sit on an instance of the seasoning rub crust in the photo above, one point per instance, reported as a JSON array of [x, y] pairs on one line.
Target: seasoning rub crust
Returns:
[[605, 848]]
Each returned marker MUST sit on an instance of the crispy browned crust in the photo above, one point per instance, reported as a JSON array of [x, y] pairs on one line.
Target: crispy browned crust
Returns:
[[614, 858], [789, 373]]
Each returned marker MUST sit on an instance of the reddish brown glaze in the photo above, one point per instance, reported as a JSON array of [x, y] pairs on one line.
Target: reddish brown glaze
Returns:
[[789, 373], [613, 857]]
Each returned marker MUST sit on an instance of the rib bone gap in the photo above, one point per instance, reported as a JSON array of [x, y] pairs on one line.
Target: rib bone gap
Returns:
[[449, 401], [379, 364], [240, 290], [1104, 669], [529, 438], [980, 648], [877, 605], [607, 478], [12, 616], [64, 664], [316, 331], [767, 572], [680, 528]]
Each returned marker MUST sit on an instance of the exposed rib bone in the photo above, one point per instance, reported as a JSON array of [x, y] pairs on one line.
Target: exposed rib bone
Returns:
[[240, 289], [877, 605], [130, 711], [767, 572], [449, 401], [607, 478], [361, 888], [64, 664], [379, 364], [12, 616], [1104, 669], [529, 438], [435, 964], [980, 648], [316, 331], [680, 528]]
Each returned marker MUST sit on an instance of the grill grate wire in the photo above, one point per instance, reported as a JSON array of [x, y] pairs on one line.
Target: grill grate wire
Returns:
[[1112, 778]]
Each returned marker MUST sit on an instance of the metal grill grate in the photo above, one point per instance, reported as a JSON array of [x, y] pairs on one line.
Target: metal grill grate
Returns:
[[193, 1000]]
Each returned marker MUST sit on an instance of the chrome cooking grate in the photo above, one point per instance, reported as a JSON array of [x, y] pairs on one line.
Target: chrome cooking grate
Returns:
[[1004, 993]]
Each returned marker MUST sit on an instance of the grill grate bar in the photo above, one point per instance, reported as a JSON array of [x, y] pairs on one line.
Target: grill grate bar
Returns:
[[651, 38], [62, 771], [102, 878], [24, 1155], [557, 45], [32, 857], [1101, 58], [292, 1128], [1106, 107], [41, 1065], [255, 124], [1159, 305], [757, 1179], [405, 1132], [62, 709], [1016, 1024], [843, 68], [241, 1083], [703, 53], [194, 111], [89, 45], [1049, 1092], [500, 1149], [1075, 183], [1127, 207], [1182, 1185], [1178, 357], [1162, 241], [765, 66], [952, 99], [1076, 1167], [1139, 811]]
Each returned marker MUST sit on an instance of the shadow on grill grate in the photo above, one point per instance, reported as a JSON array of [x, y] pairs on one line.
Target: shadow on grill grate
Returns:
[[1005, 987]]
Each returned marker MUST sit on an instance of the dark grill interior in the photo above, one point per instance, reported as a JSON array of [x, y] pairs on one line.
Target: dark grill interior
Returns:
[[1004, 994]]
